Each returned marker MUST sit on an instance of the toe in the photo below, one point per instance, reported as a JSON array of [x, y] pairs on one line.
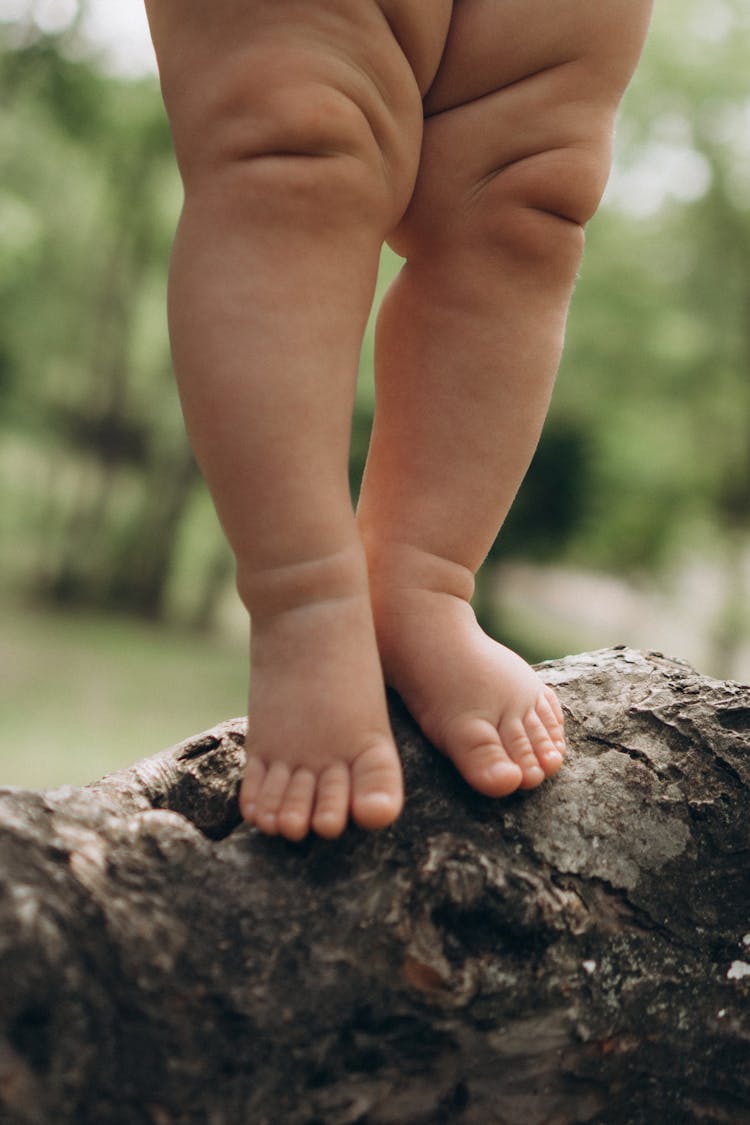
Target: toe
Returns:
[[293, 817], [545, 750], [554, 703], [377, 786], [331, 810], [551, 713], [255, 773], [516, 741], [549, 743], [490, 771], [478, 752], [271, 796]]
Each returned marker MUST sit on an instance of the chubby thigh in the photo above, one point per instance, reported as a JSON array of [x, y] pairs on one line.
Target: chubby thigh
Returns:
[[493, 44], [266, 62], [521, 114], [499, 82]]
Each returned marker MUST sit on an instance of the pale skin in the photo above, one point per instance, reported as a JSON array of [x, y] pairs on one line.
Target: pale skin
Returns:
[[475, 137]]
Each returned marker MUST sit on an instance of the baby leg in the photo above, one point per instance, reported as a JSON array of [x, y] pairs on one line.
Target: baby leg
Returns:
[[297, 126], [515, 155]]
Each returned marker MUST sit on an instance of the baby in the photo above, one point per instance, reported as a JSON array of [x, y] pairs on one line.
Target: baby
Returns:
[[474, 137]]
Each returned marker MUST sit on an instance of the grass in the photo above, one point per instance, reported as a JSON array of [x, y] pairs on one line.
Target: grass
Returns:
[[81, 696]]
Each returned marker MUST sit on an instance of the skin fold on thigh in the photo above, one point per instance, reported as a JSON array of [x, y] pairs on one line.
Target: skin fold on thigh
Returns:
[[380, 39], [522, 82], [493, 44], [229, 70]]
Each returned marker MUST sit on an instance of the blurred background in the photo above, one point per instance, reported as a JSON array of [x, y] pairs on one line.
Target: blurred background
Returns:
[[120, 632]]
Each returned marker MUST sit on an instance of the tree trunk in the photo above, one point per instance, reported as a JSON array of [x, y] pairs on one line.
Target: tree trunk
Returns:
[[580, 953]]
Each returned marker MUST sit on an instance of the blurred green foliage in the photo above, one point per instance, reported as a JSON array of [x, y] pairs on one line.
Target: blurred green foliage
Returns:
[[647, 447]]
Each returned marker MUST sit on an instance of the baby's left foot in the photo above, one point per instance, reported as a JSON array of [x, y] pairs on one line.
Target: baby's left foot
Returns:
[[475, 700]]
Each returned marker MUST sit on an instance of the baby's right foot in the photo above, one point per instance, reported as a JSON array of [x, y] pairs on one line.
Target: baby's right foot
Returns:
[[473, 698], [319, 744]]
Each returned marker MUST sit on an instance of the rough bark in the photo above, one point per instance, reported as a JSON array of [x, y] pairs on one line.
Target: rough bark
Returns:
[[580, 953]]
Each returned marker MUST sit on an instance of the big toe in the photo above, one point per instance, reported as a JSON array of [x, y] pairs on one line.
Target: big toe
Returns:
[[377, 786], [478, 753]]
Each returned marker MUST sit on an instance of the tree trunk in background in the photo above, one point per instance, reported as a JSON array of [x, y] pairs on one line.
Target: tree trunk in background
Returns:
[[139, 573], [217, 579], [580, 953]]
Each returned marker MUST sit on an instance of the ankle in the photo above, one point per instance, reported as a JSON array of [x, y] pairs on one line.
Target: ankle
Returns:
[[275, 590], [396, 565]]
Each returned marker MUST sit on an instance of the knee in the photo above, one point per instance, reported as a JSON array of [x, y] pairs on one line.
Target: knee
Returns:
[[302, 143], [532, 211], [537, 209]]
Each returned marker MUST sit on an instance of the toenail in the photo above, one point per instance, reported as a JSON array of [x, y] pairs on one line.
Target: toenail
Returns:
[[377, 798], [326, 820], [501, 768], [534, 773], [554, 758]]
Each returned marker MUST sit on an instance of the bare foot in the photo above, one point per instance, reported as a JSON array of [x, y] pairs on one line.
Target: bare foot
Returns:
[[474, 699], [319, 744]]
